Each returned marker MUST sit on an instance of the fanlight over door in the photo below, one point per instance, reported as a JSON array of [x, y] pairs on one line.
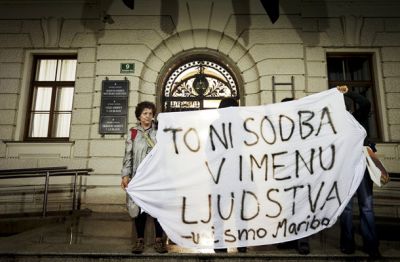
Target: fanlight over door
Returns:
[[198, 84]]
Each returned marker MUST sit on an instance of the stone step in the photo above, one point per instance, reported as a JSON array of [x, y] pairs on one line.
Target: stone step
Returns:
[[111, 257], [108, 237]]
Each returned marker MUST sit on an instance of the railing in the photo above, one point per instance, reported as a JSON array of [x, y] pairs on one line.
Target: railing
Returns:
[[47, 173]]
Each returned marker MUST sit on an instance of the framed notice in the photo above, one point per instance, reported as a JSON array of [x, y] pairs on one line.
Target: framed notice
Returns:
[[114, 106], [112, 124]]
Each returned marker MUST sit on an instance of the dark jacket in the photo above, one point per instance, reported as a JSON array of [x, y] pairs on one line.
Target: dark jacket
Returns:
[[362, 111]]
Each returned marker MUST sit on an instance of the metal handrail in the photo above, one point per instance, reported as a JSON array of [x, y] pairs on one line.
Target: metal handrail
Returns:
[[43, 172], [30, 170], [46, 172]]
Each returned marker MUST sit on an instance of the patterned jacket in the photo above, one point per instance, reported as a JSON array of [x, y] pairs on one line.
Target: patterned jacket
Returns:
[[137, 149]]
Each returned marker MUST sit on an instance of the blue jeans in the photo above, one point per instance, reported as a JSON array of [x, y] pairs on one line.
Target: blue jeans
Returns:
[[367, 218]]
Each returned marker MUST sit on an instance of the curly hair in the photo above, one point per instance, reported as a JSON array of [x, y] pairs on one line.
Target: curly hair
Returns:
[[142, 106]]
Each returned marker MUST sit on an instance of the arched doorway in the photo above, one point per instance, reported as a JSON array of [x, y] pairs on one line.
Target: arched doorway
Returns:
[[195, 81]]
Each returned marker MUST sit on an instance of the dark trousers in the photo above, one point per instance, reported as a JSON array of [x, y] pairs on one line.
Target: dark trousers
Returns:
[[302, 241], [140, 224], [367, 218]]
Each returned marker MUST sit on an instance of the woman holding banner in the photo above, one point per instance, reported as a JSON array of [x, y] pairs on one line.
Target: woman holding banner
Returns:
[[139, 143]]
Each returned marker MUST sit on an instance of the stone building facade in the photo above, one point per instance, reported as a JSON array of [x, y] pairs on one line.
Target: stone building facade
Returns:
[[156, 36]]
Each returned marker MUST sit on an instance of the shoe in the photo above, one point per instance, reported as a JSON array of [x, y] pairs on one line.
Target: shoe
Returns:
[[170, 242], [221, 250], [347, 250], [139, 247], [242, 249], [285, 245], [159, 246], [303, 249], [373, 253]]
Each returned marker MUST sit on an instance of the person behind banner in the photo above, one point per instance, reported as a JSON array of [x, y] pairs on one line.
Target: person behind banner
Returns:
[[361, 112], [229, 102], [139, 143], [302, 245]]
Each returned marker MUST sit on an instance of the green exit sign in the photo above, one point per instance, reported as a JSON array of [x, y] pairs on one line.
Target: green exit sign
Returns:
[[127, 68]]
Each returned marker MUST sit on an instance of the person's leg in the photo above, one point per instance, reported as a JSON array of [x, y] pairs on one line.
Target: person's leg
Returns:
[[159, 244], [367, 216], [303, 246], [242, 249], [140, 224], [287, 245], [347, 244], [158, 229]]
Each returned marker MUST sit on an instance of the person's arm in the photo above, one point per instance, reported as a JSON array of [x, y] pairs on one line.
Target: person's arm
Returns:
[[361, 112], [363, 105], [384, 174], [126, 171]]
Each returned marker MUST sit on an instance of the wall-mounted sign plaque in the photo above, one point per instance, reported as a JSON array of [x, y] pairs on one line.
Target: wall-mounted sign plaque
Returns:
[[114, 106], [127, 68]]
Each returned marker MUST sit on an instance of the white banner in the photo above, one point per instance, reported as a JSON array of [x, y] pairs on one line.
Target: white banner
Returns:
[[246, 176]]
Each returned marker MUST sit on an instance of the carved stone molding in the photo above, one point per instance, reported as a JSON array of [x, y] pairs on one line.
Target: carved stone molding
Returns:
[[51, 27], [352, 26]]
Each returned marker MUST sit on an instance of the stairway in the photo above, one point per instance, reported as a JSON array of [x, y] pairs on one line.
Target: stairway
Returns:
[[108, 237]]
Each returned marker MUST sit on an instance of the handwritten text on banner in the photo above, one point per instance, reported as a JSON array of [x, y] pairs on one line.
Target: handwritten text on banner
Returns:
[[245, 176]]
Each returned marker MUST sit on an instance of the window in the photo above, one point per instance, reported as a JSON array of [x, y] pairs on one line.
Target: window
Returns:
[[198, 84], [52, 91], [355, 71]]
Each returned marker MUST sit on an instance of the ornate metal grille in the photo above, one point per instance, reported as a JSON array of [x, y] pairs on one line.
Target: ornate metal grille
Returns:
[[196, 85]]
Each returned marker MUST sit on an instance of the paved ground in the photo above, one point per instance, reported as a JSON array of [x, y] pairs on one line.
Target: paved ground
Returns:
[[112, 234]]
